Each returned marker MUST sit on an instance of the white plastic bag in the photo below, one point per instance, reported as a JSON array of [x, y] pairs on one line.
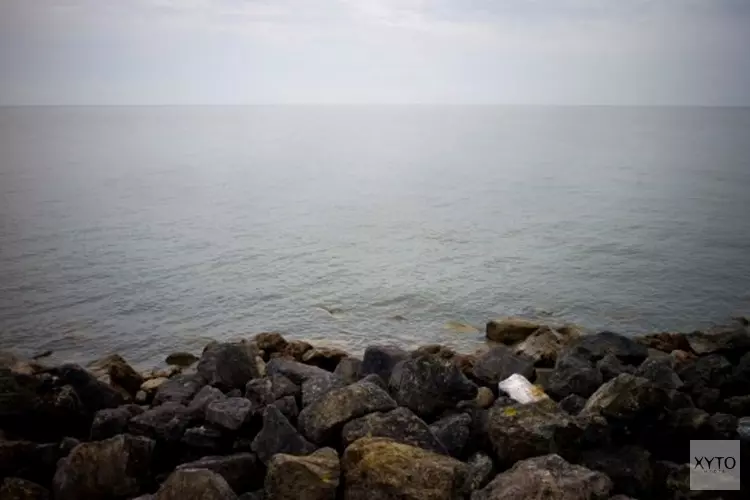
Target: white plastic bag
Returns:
[[520, 389]]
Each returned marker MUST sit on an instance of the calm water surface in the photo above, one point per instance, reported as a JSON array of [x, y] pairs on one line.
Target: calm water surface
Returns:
[[146, 230]]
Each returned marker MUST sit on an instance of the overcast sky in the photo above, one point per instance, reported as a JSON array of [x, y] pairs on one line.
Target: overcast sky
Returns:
[[375, 51]]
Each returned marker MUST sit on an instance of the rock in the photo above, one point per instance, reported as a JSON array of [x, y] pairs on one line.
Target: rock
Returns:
[[205, 440], [375, 380], [521, 431], [428, 385], [481, 470], [296, 349], [400, 425], [627, 397], [271, 342], [164, 423], [722, 426], [314, 477], [572, 403], [240, 470], [485, 397], [113, 369], [314, 387], [499, 363], [737, 406], [326, 358], [112, 421], [181, 359], [288, 406], [707, 398], [179, 389], [115, 468], [266, 390], [453, 431], [381, 469], [207, 395], [195, 484], [731, 340], [437, 350], [279, 436], [465, 363], [94, 394], [628, 467], [229, 365], [511, 330], [14, 488], [660, 372], [151, 385], [17, 365], [743, 429], [229, 413], [711, 371], [253, 495], [741, 376], [380, 360], [610, 366], [573, 375], [547, 477], [293, 370], [664, 341], [27, 460], [595, 347], [348, 370], [542, 346], [323, 419]]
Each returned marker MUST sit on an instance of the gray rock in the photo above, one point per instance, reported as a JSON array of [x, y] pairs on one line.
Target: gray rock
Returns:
[[195, 484], [240, 471], [481, 470], [380, 360], [229, 413], [549, 477], [511, 330], [111, 469], [400, 425], [112, 421], [204, 397], [14, 488], [572, 403], [271, 342], [313, 477], [229, 365], [595, 347], [733, 339], [288, 406], [711, 371], [279, 436], [324, 418], [661, 372], [206, 440], [454, 432], [349, 370], [627, 397], [743, 429], [180, 389], [266, 390], [573, 375], [164, 423], [499, 363], [542, 346], [722, 426], [293, 370], [314, 387], [737, 405], [94, 394], [629, 468], [610, 366], [324, 357]]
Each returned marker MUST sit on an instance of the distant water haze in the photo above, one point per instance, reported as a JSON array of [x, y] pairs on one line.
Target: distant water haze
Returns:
[[145, 230]]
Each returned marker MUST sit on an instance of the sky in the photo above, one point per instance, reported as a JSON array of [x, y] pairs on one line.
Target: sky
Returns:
[[561, 52]]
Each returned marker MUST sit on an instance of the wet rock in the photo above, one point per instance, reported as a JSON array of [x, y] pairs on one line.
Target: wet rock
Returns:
[[731, 340], [115, 468], [195, 484], [628, 467], [322, 420], [549, 477], [313, 477], [181, 359], [661, 372], [428, 385], [94, 394], [348, 370], [326, 358], [542, 346], [481, 470], [664, 341], [207, 395], [229, 413], [573, 375], [271, 342], [381, 469], [314, 387], [610, 366], [453, 431], [229, 365], [164, 423], [521, 431], [499, 363], [380, 360], [266, 390], [180, 389], [14, 488], [627, 397], [511, 330], [279, 436], [572, 403], [113, 421], [240, 470], [595, 347], [400, 425], [295, 371]]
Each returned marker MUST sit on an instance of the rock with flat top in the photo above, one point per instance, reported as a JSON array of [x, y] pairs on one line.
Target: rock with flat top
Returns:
[[195, 484], [229, 365], [400, 425], [240, 471], [312, 477], [511, 330], [499, 363], [380, 360], [293, 370], [179, 389], [229, 413]]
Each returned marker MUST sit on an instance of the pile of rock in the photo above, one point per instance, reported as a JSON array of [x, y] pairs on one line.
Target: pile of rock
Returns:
[[272, 419]]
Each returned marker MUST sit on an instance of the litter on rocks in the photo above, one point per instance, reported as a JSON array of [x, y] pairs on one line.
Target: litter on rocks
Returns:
[[520, 389]]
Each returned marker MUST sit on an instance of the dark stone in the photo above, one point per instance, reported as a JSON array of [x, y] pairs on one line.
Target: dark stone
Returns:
[[279, 436], [722, 426], [112, 421], [234, 393], [542, 346], [293, 370], [665, 341], [207, 395], [481, 470], [738, 406], [380, 360], [314, 387], [610, 366], [349, 370], [205, 440], [324, 418], [731, 340], [266, 390], [288, 406], [596, 347], [454, 432], [661, 372], [627, 397], [229, 413], [706, 398], [326, 358], [739, 385], [400, 425], [253, 495], [313, 477], [573, 375], [295, 349], [712, 371], [499, 363], [375, 380], [14, 488], [678, 399], [164, 423], [32, 461], [628, 467], [115, 468], [195, 484], [94, 394], [123, 375], [240, 471], [271, 342], [428, 385], [549, 477], [511, 330], [229, 365], [572, 403], [180, 389]]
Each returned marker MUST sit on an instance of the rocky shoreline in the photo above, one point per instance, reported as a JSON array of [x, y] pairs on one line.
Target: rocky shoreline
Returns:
[[268, 418]]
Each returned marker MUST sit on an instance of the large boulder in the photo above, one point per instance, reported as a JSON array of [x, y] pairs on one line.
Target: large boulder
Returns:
[[195, 484], [279, 436], [573, 375], [94, 394], [112, 421], [32, 461], [327, 358], [547, 477], [542, 346], [314, 387], [207, 395], [664, 341], [381, 469], [400, 425], [165, 423], [511, 330], [118, 372], [595, 347], [14, 488], [240, 471], [610, 366], [313, 477], [499, 363], [628, 467], [349, 370], [453, 432], [324, 418], [180, 389], [731, 340], [428, 385], [661, 372], [627, 397], [266, 390], [229, 413], [270, 342], [710, 371], [229, 365], [380, 360], [293, 370], [116, 468]]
